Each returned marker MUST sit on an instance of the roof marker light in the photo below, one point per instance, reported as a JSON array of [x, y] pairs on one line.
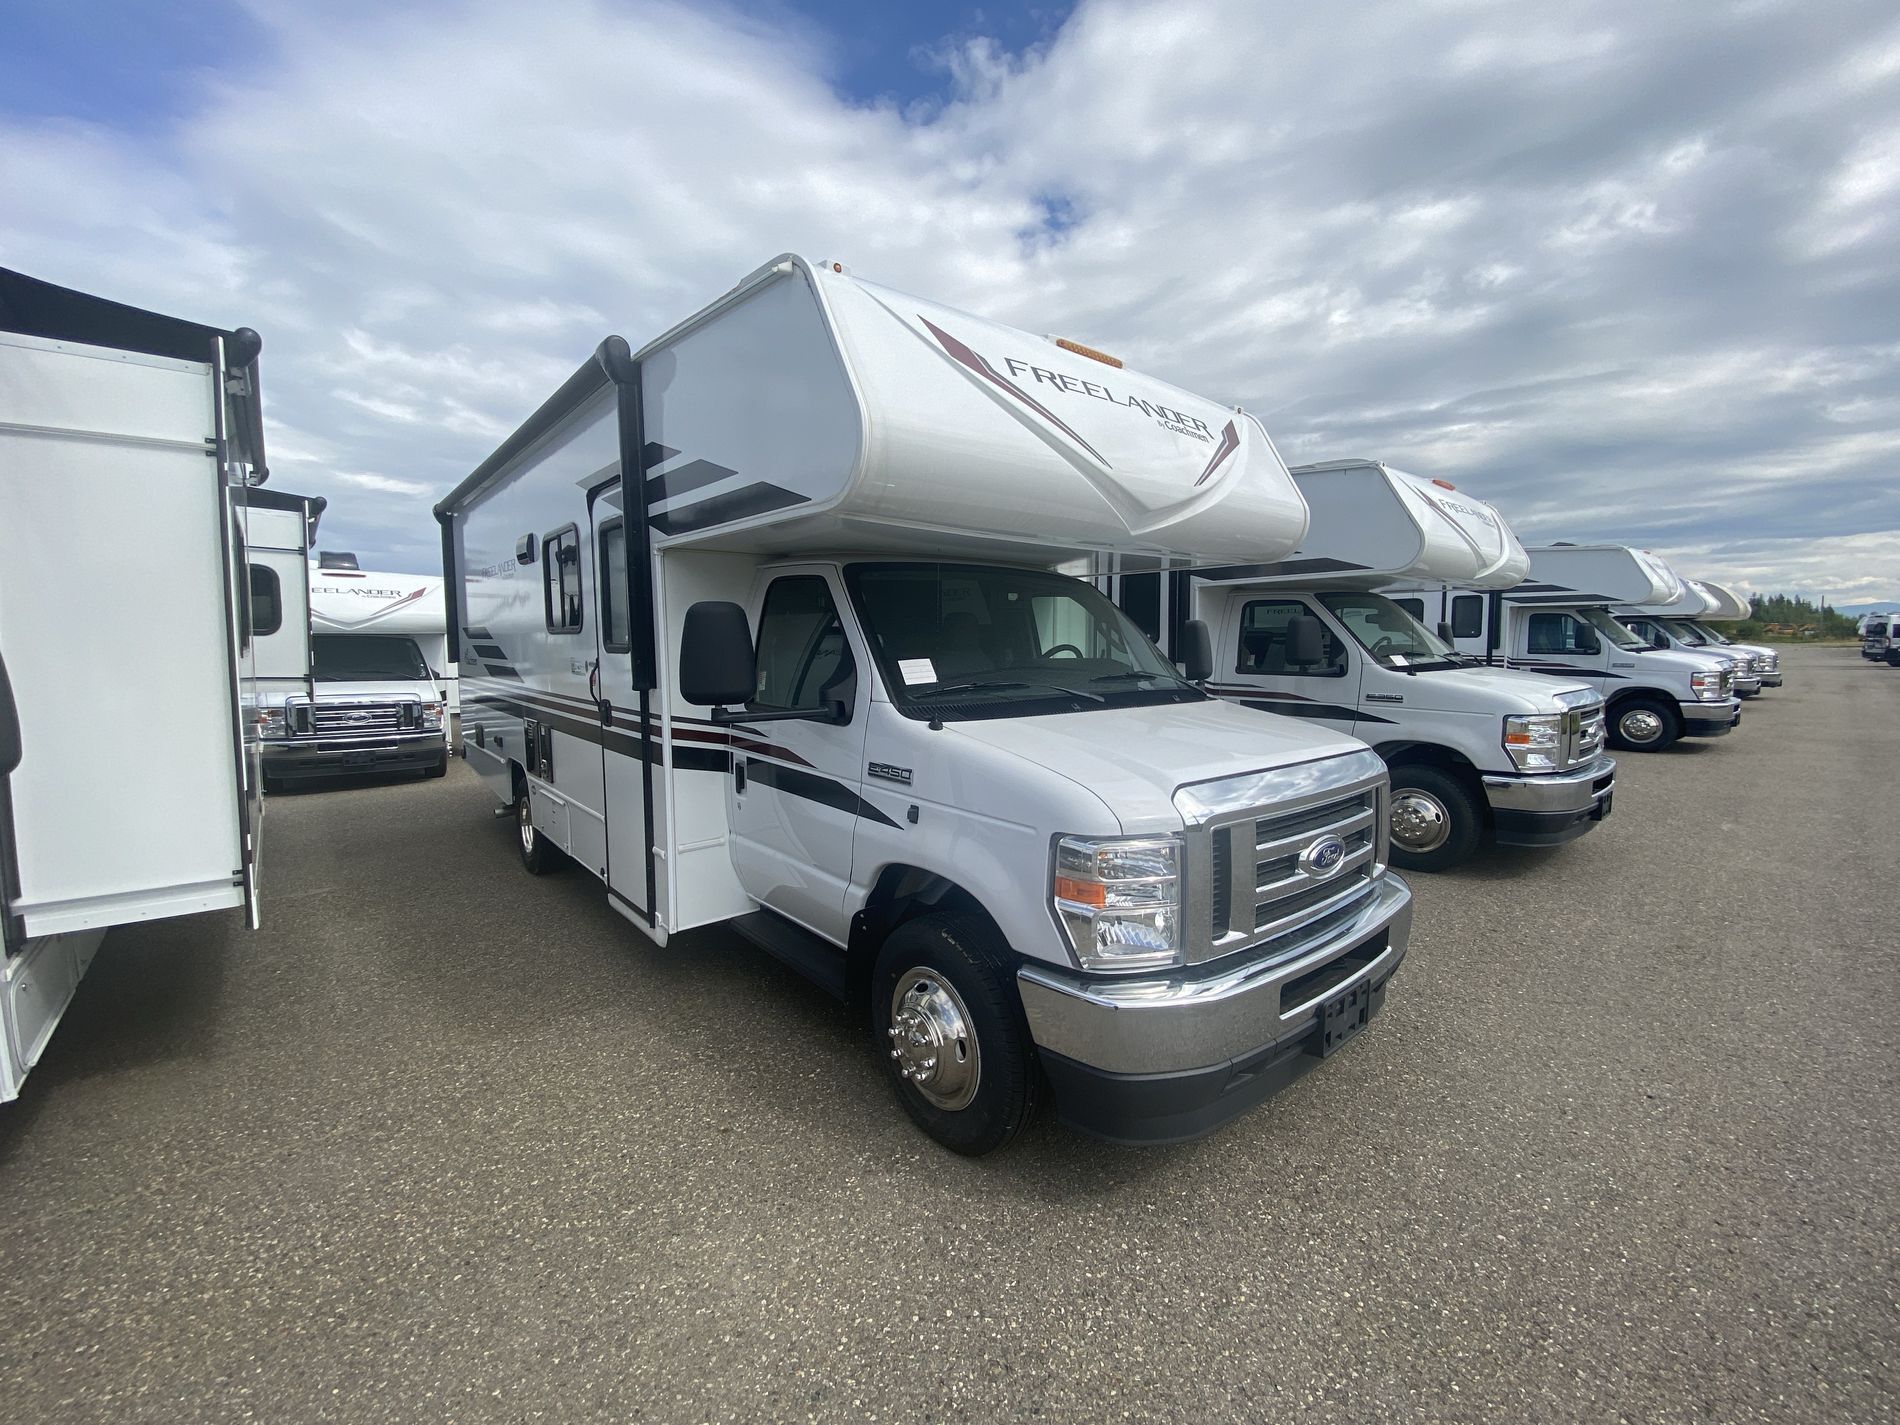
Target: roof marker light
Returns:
[[1444, 484], [1090, 352]]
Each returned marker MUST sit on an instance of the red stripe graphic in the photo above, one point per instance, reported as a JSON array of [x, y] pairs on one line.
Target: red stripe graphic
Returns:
[[981, 367]]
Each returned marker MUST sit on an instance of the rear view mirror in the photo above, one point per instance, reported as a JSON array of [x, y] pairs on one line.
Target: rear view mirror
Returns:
[[716, 660], [1197, 652], [1305, 641]]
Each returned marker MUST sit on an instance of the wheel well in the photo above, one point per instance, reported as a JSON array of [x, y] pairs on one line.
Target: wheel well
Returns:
[[1445, 759], [1648, 695], [901, 893], [517, 776]]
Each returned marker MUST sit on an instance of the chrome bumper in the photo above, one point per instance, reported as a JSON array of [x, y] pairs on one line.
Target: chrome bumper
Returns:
[[1578, 790], [1181, 1022]]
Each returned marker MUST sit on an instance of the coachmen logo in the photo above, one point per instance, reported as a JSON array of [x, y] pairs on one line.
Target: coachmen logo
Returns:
[[1323, 857]]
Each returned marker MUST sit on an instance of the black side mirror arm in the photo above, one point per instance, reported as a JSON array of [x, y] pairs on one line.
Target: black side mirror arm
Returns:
[[834, 712]]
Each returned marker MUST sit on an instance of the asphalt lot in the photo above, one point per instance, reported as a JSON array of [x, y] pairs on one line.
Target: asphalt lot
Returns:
[[444, 1141]]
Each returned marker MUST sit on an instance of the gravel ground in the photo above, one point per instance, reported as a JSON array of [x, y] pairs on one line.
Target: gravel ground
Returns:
[[444, 1141]]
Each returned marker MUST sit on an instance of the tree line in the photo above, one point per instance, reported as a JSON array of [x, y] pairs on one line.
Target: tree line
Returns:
[[1791, 614]]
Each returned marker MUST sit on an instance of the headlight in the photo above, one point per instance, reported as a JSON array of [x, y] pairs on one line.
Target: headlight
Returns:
[[1535, 742], [1706, 686], [432, 716], [1118, 900], [271, 723]]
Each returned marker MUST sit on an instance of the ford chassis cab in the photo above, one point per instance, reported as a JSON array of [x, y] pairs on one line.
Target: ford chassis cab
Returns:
[[372, 704], [815, 676]]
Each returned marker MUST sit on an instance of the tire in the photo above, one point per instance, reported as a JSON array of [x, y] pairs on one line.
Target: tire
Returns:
[[440, 768], [1643, 725], [1436, 821], [538, 854], [934, 976]]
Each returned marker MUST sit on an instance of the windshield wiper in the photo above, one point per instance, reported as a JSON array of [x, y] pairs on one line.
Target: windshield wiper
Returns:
[[1131, 675], [985, 687]]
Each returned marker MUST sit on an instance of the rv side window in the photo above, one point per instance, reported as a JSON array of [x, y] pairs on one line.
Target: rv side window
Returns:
[[267, 600], [1556, 633], [1467, 616], [1414, 607], [1263, 641], [610, 571], [561, 579], [804, 661]]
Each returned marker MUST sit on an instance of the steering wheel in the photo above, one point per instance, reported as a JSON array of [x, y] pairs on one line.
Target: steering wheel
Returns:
[[1060, 647], [1384, 645]]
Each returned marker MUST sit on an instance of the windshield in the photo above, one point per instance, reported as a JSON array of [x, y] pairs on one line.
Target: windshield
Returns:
[[960, 641], [337, 658], [1710, 635], [1688, 633], [1390, 636], [1621, 637]]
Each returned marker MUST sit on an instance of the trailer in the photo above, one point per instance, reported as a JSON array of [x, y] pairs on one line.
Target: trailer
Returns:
[[130, 448], [1476, 754], [945, 780], [1558, 622]]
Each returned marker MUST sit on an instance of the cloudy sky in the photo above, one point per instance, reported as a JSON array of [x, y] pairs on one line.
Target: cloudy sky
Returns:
[[1630, 270]]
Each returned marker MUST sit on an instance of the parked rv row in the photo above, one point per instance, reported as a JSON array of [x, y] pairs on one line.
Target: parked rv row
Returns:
[[1031, 703]]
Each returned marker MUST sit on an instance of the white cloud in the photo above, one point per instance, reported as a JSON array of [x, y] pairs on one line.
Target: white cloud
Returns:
[[1620, 267]]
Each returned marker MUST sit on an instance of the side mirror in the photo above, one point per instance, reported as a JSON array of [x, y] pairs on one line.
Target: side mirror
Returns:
[[716, 660], [1197, 651], [1305, 641], [1445, 634]]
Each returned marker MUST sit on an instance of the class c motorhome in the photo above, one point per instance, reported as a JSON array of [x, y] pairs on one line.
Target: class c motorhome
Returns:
[[372, 699], [811, 672], [143, 432], [1558, 622], [1672, 625], [1880, 638], [1473, 752], [1725, 605]]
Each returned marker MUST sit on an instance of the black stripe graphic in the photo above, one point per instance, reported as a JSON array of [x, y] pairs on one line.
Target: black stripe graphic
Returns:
[[1316, 710], [490, 651], [694, 475], [812, 788], [653, 453], [754, 499], [500, 670], [686, 757], [481, 633]]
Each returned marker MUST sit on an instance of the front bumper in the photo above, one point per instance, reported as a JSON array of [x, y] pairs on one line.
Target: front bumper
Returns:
[[1550, 810], [1700, 719], [333, 756], [1771, 680], [1163, 1058]]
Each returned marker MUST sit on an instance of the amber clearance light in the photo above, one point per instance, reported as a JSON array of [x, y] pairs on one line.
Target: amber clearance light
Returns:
[[1090, 352]]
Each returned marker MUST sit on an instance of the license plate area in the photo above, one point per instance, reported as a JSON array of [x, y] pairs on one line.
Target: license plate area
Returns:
[[1343, 1016]]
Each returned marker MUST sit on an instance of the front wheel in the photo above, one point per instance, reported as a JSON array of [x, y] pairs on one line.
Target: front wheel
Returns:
[[957, 1050], [1643, 725], [1436, 821], [538, 854]]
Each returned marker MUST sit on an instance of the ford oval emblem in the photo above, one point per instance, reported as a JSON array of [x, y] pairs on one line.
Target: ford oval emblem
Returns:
[[1323, 857]]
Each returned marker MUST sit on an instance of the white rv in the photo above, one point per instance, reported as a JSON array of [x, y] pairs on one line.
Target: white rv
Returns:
[[143, 432], [946, 780], [1558, 622], [1672, 625], [1724, 605], [1474, 752], [1880, 638], [371, 699]]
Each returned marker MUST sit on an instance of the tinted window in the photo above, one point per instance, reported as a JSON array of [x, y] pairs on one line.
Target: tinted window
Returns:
[[615, 619], [804, 661], [267, 600], [1414, 607], [1556, 633], [561, 580], [355, 657], [1263, 645], [1467, 616]]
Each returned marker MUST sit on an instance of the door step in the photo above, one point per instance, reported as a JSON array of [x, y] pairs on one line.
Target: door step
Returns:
[[814, 957]]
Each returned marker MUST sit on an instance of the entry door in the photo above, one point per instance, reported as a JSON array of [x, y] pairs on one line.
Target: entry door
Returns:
[[797, 786], [1326, 692], [629, 759]]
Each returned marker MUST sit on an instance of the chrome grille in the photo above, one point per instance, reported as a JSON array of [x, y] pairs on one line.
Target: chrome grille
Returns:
[[1583, 736], [347, 719], [1727, 684], [1283, 896]]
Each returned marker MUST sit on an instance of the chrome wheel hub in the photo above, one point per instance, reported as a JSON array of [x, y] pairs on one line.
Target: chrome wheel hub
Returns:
[[932, 1041], [524, 819], [1640, 725], [1419, 820]]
